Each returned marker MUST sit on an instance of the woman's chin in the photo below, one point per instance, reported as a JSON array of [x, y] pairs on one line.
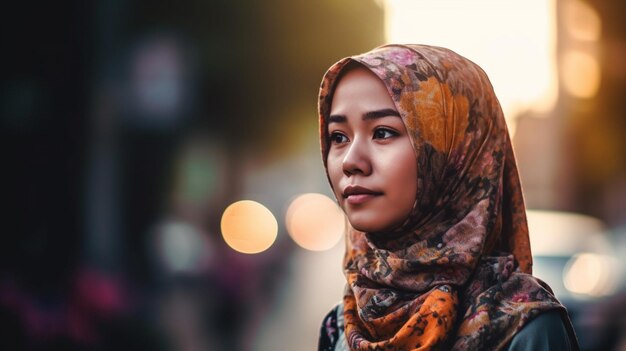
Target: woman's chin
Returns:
[[369, 224]]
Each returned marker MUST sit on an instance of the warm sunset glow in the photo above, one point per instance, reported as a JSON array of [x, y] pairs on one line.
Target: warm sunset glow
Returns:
[[315, 222], [513, 41], [580, 72], [249, 227]]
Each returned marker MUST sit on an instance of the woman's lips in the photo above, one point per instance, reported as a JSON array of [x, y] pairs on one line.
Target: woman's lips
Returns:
[[359, 198], [355, 195]]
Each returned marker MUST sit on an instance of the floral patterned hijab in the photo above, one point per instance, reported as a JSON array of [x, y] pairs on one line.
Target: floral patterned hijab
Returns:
[[457, 273]]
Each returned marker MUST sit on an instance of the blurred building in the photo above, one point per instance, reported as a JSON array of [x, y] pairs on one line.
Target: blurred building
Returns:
[[574, 157], [127, 128]]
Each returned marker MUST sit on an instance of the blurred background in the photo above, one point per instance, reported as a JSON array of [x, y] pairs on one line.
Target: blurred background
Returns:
[[162, 179]]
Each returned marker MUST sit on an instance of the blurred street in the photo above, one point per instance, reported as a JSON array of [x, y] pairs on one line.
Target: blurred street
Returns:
[[129, 128]]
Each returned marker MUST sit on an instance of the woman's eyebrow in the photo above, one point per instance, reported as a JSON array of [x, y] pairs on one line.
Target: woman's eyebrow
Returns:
[[366, 116], [380, 113], [337, 119]]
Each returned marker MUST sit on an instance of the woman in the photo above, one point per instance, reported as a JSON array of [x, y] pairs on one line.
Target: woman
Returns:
[[417, 153]]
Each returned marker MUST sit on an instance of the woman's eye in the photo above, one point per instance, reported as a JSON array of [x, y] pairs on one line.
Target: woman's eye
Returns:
[[384, 133], [338, 138]]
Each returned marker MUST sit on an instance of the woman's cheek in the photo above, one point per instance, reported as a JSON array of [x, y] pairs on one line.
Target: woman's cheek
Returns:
[[334, 173]]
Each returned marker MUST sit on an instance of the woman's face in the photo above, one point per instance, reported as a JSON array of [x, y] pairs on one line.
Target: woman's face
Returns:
[[371, 162]]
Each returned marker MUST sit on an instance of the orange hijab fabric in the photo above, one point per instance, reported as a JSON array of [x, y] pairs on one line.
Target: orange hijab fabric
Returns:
[[456, 273]]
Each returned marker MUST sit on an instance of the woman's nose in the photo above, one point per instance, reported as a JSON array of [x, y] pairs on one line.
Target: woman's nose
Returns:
[[356, 160]]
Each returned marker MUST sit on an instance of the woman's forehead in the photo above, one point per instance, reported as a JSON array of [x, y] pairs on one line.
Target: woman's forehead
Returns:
[[360, 88]]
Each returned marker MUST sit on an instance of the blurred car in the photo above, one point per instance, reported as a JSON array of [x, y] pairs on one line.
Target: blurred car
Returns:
[[574, 254]]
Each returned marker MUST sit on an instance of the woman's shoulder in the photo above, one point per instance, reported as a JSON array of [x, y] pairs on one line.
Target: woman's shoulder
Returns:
[[331, 331], [548, 331]]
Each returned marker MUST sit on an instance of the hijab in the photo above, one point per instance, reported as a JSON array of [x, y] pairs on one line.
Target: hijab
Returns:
[[457, 273]]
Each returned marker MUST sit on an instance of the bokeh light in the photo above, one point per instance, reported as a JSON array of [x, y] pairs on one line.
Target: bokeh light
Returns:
[[182, 247], [315, 222], [249, 227], [581, 20], [581, 74], [591, 274]]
